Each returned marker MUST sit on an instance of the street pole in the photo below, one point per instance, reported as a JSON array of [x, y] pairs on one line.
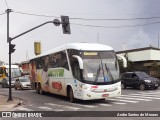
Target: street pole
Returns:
[[66, 30], [9, 41]]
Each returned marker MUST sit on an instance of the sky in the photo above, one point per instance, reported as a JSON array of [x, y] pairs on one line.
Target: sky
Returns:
[[121, 24]]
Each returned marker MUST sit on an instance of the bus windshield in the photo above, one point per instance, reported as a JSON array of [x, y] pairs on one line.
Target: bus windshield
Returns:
[[100, 67], [15, 72]]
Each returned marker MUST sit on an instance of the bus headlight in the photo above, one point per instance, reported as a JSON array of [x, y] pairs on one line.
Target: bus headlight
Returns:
[[84, 87]]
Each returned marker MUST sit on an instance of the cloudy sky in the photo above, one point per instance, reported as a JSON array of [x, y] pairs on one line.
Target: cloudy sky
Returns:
[[122, 24]]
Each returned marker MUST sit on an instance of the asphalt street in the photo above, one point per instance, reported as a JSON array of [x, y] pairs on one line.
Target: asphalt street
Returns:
[[131, 100]]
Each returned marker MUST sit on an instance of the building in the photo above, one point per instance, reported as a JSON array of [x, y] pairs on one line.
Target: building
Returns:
[[2, 63], [143, 59], [25, 67]]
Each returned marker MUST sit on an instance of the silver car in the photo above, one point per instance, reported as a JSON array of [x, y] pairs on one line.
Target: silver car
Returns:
[[22, 83]]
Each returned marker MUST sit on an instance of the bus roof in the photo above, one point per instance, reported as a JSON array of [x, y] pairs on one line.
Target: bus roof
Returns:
[[77, 46], [12, 66]]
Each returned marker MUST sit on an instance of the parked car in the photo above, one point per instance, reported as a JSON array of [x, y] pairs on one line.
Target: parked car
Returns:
[[139, 80], [23, 83], [5, 82]]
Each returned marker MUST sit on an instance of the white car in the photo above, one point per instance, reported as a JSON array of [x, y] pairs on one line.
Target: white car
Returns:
[[22, 83]]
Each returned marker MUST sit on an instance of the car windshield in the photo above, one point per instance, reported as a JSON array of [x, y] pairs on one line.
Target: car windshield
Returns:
[[24, 80], [142, 75], [100, 67]]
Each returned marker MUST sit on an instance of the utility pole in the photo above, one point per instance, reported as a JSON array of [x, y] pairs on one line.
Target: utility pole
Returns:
[[9, 41], [66, 30]]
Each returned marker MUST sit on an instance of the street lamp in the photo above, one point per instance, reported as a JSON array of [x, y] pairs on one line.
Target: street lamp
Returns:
[[65, 25]]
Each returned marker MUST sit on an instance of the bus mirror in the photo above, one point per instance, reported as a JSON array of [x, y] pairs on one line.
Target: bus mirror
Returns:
[[80, 61], [123, 59]]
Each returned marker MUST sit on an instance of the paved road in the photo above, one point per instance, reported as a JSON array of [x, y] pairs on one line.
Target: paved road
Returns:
[[131, 100]]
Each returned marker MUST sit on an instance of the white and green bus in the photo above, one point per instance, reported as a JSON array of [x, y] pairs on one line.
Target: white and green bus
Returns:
[[85, 71]]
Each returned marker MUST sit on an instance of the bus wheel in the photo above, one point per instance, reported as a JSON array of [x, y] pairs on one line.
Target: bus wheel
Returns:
[[71, 96], [38, 89]]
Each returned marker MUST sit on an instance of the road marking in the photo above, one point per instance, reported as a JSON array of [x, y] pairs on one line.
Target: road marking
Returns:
[[119, 103], [147, 97], [82, 105], [124, 100], [3, 92], [134, 98], [153, 92], [23, 109], [57, 105], [147, 94], [106, 105], [45, 108], [16, 91]]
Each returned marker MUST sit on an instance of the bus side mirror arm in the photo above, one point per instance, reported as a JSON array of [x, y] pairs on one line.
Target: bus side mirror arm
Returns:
[[80, 61], [123, 59]]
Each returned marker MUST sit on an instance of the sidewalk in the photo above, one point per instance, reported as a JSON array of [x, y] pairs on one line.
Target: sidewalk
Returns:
[[8, 106]]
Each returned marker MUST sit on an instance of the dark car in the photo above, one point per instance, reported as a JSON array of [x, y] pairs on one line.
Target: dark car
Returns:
[[5, 82], [139, 80]]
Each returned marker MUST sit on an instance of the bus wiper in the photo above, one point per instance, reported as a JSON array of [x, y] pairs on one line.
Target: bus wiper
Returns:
[[109, 72], [103, 70], [98, 73]]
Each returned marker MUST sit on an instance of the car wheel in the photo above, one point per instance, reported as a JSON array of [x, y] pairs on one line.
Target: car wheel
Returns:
[[142, 87], [71, 96], [15, 87], [123, 86], [21, 88]]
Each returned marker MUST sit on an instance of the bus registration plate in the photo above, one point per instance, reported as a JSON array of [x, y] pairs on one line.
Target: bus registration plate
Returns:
[[105, 95]]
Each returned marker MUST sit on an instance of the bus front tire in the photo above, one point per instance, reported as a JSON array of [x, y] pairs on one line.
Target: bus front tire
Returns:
[[71, 96]]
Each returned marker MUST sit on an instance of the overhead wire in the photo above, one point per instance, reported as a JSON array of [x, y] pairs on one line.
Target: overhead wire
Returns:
[[122, 26], [92, 19], [38, 15], [2, 13]]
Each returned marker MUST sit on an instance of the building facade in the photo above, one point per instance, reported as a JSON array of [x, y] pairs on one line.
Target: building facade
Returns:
[[143, 59], [1, 63]]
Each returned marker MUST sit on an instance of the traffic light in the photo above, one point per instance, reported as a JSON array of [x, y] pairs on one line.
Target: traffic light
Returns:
[[65, 25], [11, 48]]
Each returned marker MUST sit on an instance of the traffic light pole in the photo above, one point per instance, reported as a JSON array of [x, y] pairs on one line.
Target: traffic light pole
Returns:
[[9, 41], [56, 22]]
